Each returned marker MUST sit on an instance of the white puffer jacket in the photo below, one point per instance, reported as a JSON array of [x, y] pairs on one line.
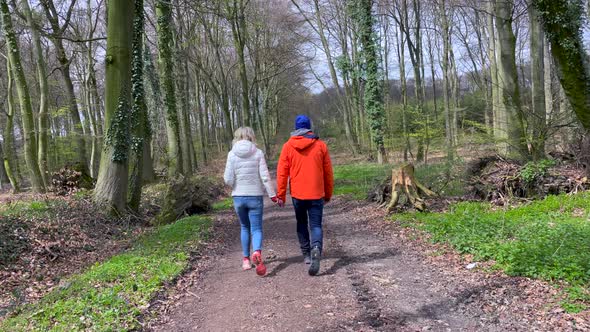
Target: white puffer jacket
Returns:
[[246, 171]]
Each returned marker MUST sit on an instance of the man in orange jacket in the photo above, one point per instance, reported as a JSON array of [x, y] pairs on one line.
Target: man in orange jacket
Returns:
[[305, 164]]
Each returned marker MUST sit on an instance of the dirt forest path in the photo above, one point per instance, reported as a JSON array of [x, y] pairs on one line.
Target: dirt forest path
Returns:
[[369, 281]]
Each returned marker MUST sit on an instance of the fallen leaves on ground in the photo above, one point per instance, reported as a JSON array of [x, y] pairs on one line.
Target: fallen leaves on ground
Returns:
[[70, 235]]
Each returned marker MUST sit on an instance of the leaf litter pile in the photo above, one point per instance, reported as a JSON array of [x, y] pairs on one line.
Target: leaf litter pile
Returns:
[[44, 238]]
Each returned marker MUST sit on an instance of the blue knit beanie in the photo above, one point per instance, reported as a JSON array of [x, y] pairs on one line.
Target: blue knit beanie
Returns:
[[302, 122]]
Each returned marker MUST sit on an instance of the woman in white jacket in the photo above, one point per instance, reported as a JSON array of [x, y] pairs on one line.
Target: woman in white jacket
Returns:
[[246, 172]]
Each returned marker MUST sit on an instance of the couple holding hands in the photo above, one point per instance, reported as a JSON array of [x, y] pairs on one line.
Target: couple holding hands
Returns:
[[305, 166]]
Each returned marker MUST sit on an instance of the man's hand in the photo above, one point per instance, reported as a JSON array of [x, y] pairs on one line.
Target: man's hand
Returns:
[[278, 201]]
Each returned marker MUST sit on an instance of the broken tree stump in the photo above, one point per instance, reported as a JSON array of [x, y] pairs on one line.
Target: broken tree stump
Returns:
[[403, 182]]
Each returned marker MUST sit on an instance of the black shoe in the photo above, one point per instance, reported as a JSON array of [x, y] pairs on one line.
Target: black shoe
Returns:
[[314, 267], [307, 258]]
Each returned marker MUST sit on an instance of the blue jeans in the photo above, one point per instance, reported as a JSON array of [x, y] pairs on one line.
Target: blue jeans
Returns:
[[309, 217], [249, 210]]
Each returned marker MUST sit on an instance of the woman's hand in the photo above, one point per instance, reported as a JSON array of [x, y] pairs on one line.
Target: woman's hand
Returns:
[[278, 201]]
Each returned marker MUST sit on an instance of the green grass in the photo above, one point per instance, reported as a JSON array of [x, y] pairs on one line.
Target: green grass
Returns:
[[548, 239], [82, 194], [26, 209], [110, 295], [224, 204], [357, 179]]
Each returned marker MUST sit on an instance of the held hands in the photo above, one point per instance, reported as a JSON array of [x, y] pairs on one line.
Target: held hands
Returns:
[[278, 201]]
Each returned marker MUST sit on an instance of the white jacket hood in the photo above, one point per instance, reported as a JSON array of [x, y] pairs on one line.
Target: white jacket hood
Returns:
[[246, 171], [244, 148]]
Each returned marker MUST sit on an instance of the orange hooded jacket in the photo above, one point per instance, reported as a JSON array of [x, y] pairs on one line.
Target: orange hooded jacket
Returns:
[[305, 164]]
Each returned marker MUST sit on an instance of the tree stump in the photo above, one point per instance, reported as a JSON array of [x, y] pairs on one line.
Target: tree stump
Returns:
[[403, 182]]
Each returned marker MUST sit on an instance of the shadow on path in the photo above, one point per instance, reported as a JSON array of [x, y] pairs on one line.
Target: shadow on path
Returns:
[[342, 260], [345, 260]]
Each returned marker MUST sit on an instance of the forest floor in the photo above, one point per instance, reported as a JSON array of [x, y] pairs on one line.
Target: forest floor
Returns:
[[65, 265], [375, 276], [46, 238]]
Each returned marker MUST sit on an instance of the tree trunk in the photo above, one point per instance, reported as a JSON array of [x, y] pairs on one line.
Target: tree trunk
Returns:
[[111, 187], [189, 164], [64, 62], [239, 33], [153, 113], [433, 75], [515, 143], [564, 116], [183, 125], [3, 176], [75, 115], [449, 134], [183, 95], [401, 51], [563, 24], [454, 80], [495, 102], [140, 125], [229, 127], [189, 120], [348, 99], [148, 174], [9, 157], [43, 93], [220, 90], [486, 79], [373, 96], [166, 67], [361, 125], [93, 101], [539, 114], [24, 100], [203, 132], [548, 79], [415, 51], [95, 145], [209, 131], [98, 106]]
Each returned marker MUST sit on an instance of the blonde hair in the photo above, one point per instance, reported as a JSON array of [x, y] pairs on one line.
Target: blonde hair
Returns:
[[244, 133]]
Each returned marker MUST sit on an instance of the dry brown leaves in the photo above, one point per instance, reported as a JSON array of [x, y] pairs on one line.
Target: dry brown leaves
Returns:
[[71, 236]]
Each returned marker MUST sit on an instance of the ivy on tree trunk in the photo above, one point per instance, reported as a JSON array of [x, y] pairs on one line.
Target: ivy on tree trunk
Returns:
[[111, 187], [140, 127], [166, 61], [563, 22], [361, 12]]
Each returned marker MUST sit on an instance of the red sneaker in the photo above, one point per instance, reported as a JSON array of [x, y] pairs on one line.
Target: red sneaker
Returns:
[[257, 260]]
